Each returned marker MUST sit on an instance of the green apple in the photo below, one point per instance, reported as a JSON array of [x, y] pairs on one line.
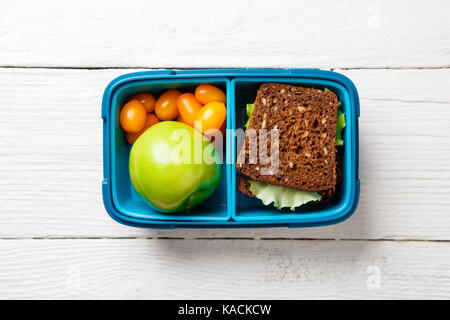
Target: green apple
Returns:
[[174, 167]]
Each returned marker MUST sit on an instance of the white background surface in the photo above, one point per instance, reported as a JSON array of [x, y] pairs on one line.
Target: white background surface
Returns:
[[57, 241]]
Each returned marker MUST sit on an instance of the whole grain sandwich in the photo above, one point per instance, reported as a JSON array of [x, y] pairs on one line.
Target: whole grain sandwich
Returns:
[[290, 153]]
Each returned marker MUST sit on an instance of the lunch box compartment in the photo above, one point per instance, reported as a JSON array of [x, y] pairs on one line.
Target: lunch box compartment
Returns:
[[226, 207], [252, 209], [124, 196]]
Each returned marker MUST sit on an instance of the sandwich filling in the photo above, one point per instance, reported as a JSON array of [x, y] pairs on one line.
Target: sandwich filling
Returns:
[[282, 196]]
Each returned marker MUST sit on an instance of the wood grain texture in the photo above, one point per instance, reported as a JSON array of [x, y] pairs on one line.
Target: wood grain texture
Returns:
[[235, 269], [51, 158], [51, 150], [249, 33]]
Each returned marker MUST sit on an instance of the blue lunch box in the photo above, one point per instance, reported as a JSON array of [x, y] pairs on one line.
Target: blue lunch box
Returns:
[[226, 207]]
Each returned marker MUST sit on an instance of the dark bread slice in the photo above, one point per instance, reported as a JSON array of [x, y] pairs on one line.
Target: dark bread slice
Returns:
[[243, 185], [306, 120]]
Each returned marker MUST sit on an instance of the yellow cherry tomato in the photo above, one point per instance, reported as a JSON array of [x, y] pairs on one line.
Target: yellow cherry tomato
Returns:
[[187, 107], [223, 129], [206, 93], [133, 116], [213, 133], [210, 116], [150, 121], [147, 99], [166, 105]]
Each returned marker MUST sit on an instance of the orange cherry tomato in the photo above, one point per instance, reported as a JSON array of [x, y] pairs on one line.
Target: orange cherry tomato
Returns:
[[211, 116], [180, 119], [150, 121], [147, 99], [133, 116], [206, 93], [166, 105], [187, 107]]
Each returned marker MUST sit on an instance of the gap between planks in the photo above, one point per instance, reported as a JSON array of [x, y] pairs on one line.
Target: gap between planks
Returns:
[[213, 67], [230, 238]]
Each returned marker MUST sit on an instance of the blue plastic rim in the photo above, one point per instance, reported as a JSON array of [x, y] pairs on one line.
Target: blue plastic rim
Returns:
[[226, 208]]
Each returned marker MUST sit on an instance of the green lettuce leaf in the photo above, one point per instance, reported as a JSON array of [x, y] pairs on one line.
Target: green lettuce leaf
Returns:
[[250, 108], [340, 125], [282, 196]]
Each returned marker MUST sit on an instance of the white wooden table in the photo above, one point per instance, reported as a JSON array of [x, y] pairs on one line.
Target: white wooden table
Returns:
[[57, 241]]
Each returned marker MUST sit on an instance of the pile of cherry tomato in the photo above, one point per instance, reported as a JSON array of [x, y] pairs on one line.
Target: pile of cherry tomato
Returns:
[[203, 110]]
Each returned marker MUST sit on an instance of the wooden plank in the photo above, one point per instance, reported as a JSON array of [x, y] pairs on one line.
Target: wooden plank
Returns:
[[416, 86], [51, 159], [236, 33], [223, 269]]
